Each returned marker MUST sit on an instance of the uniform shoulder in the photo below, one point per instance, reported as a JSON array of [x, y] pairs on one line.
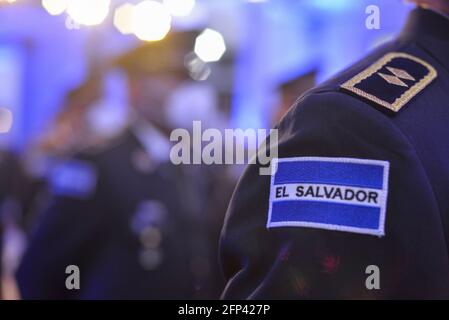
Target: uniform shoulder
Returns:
[[78, 175], [389, 79]]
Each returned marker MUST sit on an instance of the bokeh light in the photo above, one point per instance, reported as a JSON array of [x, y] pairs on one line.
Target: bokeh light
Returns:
[[151, 21], [123, 18], [180, 8], [210, 46], [55, 7], [88, 12]]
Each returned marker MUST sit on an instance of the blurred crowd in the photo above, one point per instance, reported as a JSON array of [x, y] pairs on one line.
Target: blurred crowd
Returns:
[[136, 225]]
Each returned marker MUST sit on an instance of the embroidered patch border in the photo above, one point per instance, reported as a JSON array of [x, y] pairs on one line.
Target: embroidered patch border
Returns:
[[406, 96], [379, 231]]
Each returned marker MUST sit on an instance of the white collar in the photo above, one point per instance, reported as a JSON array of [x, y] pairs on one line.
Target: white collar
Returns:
[[155, 143]]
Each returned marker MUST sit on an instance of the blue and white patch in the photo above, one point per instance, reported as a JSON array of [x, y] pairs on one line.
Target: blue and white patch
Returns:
[[343, 194], [76, 179]]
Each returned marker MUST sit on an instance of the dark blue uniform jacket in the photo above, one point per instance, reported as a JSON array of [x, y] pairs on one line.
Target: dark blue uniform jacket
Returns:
[[392, 107]]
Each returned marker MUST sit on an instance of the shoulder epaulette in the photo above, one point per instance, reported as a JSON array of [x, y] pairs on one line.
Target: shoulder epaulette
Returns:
[[392, 81]]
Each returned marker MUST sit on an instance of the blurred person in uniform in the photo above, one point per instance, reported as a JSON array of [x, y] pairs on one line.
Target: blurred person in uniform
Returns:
[[165, 100], [68, 134], [121, 212], [356, 206], [26, 189]]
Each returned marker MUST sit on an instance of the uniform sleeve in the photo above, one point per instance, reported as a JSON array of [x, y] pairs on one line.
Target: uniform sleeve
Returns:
[[297, 262], [66, 234]]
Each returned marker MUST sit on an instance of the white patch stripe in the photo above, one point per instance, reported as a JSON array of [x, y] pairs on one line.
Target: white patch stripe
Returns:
[[327, 226], [322, 189], [383, 200]]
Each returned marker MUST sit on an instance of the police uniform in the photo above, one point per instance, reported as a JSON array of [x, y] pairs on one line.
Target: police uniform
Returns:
[[356, 205], [119, 213]]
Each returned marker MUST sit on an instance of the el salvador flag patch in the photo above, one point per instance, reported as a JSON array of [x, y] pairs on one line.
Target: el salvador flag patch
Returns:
[[343, 194]]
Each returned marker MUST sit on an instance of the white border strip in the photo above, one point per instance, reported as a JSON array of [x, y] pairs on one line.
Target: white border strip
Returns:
[[291, 187]]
